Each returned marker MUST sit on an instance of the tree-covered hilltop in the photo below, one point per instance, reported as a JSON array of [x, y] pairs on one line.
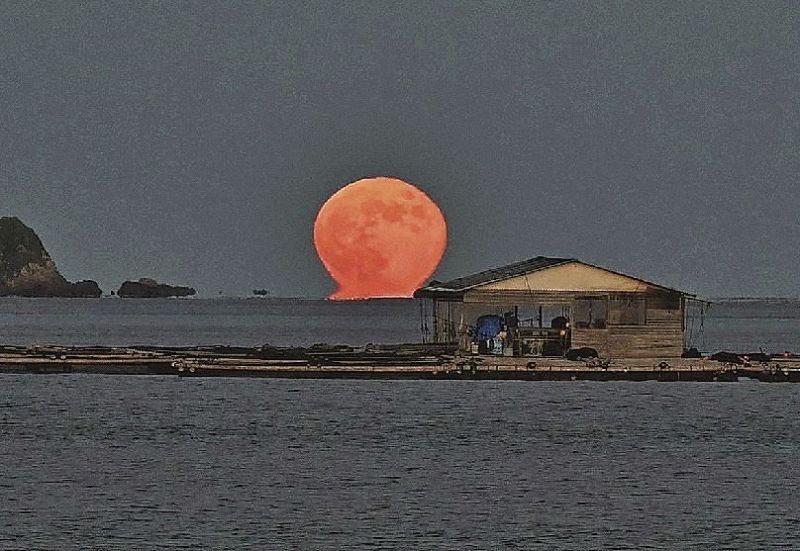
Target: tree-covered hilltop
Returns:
[[27, 270]]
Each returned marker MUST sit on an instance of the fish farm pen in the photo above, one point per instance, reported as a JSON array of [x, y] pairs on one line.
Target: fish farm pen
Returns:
[[410, 361], [542, 319]]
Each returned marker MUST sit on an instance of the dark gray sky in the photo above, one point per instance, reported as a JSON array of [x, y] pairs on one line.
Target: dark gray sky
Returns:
[[194, 142]]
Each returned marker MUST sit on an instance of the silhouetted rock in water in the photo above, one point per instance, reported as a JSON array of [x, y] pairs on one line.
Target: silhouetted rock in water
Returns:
[[150, 288], [27, 270]]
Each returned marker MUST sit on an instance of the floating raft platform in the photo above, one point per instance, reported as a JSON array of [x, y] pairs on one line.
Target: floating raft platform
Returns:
[[409, 361]]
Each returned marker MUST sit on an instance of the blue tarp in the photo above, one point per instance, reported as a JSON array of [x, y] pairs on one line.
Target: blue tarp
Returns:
[[487, 327]]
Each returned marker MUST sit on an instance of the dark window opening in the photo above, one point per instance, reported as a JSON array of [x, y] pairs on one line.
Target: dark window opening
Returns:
[[540, 316], [626, 311], [664, 301], [591, 313]]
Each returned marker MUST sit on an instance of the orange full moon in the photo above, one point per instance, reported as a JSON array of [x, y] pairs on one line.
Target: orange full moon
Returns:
[[379, 238]]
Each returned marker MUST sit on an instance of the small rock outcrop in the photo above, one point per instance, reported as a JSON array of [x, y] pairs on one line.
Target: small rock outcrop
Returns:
[[150, 288], [27, 270]]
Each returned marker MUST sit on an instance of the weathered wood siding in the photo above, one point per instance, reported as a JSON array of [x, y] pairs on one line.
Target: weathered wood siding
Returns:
[[659, 336], [572, 277], [592, 338], [645, 341], [519, 297], [632, 341]]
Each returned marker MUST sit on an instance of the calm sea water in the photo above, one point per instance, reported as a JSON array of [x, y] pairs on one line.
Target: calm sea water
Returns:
[[739, 326], [105, 462], [178, 322]]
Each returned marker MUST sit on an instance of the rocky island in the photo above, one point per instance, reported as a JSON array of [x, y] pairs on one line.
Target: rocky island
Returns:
[[150, 288], [27, 270]]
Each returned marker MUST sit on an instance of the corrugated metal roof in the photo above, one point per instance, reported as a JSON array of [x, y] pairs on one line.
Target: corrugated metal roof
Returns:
[[496, 274], [461, 284]]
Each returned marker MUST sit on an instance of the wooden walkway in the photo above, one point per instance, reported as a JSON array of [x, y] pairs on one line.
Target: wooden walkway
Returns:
[[427, 362]]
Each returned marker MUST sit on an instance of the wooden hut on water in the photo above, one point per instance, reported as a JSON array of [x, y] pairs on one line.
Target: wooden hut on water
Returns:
[[547, 306]]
